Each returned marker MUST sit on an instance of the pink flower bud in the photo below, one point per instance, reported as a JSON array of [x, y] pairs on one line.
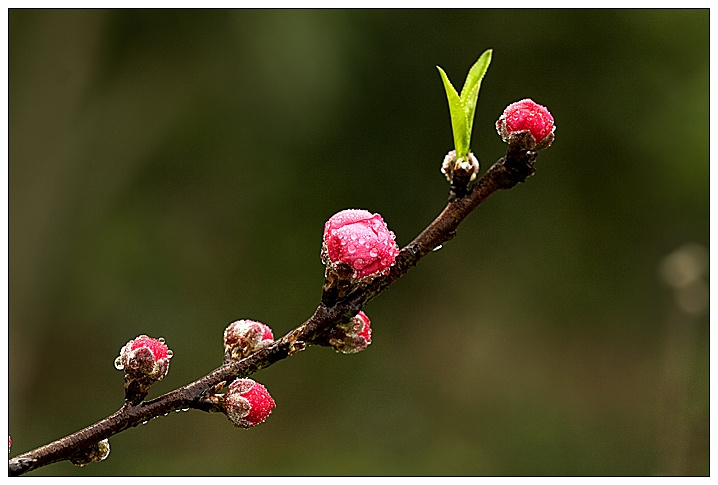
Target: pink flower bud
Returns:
[[145, 356], [244, 337], [247, 403], [352, 337], [360, 239], [523, 118]]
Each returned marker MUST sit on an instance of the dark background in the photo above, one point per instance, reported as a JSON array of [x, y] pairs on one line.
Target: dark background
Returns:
[[171, 171]]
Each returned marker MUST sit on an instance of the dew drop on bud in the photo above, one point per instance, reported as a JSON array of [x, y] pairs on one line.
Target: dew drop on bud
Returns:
[[170, 354], [118, 363], [161, 340]]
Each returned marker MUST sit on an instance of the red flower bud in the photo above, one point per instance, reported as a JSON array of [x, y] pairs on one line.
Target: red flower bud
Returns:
[[524, 118], [360, 239], [247, 403], [145, 356], [352, 337], [244, 337]]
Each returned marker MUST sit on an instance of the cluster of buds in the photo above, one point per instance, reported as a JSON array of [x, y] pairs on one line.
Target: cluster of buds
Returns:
[[145, 361], [357, 245], [351, 337], [526, 125], [244, 337], [246, 402], [359, 240]]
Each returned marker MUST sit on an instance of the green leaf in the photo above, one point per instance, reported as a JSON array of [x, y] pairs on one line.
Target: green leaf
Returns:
[[462, 107], [458, 115], [470, 91]]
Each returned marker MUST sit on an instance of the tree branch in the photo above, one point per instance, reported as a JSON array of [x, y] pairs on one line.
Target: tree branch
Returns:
[[335, 308]]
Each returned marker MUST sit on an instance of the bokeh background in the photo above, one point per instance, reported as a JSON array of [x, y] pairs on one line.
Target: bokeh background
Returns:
[[171, 171]]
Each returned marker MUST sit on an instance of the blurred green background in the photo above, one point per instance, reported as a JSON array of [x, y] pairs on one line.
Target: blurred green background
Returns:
[[171, 171]]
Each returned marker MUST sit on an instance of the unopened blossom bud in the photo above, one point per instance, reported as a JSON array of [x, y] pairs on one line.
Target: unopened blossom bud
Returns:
[[244, 337], [352, 337], [361, 240], [466, 167], [527, 124], [145, 361], [97, 452], [145, 356], [247, 403]]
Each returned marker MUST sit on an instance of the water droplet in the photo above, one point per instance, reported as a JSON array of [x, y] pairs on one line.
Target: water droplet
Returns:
[[145, 422], [437, 247], [358, 263], [354, 237], [161, 340], [352, 249], [185, 409], [170, 354], [177, 410], [373, 253], [118, 363]]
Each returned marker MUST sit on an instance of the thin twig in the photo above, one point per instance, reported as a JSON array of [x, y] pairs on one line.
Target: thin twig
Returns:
[[504, 174]]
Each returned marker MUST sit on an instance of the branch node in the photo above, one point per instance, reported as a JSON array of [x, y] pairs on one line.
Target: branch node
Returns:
[[519, 165], [338, 281], [97, 452]]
